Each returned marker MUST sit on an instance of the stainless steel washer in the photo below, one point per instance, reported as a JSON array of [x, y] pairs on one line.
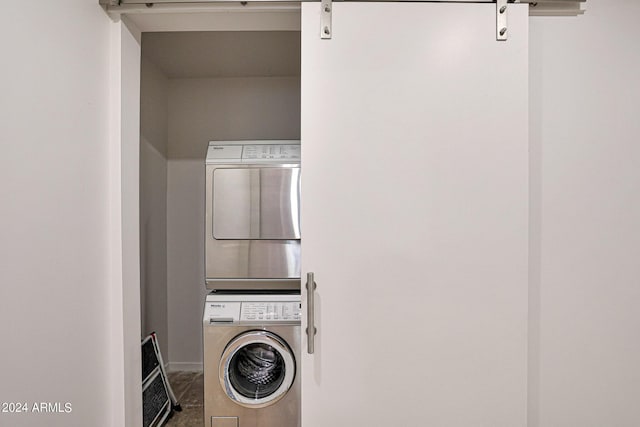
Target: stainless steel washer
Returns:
[[251, 349]]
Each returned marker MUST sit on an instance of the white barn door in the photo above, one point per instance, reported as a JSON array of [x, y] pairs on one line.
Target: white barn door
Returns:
[[415, 215]]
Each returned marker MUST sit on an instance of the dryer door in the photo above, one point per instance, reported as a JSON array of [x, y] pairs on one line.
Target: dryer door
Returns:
[[257, 369]]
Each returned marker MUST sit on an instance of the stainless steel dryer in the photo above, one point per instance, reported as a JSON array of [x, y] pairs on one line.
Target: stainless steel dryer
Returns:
[[251, 351], [252, 215]]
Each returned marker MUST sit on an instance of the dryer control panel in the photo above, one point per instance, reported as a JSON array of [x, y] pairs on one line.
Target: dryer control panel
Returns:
[[253, 152]]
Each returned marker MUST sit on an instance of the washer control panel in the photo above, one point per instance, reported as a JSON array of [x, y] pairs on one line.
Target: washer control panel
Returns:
[[270, 311], [251, 311]]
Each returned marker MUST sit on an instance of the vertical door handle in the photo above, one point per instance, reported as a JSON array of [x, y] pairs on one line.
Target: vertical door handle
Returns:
[[311, 327]]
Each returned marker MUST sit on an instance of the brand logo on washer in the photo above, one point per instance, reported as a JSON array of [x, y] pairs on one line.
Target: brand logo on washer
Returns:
[[218, 306], [218, 148]]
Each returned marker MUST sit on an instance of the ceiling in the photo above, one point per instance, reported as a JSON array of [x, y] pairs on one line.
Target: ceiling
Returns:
[[200, 54]]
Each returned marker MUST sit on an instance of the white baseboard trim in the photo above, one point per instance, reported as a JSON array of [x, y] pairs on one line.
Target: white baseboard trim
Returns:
[[184, 366]]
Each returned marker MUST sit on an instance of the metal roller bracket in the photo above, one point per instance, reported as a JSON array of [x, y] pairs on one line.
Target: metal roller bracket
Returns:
[[325, 19], [311, 327], [501, 20]]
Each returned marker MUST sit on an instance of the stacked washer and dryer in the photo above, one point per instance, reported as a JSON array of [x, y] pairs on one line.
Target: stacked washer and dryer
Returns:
[[251, 323]]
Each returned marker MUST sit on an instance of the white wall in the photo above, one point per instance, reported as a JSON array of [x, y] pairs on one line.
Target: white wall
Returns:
[[231, 108], [585, 217], [55, 214], [185, 261], [201, 110], [124, 226], [154, 109], [154, 87]]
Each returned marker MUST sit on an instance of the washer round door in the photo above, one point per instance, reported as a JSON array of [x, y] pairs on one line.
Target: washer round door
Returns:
[[257, 369]]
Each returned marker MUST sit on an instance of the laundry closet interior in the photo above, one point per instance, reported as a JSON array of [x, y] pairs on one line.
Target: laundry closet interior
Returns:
[[240, 81]]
